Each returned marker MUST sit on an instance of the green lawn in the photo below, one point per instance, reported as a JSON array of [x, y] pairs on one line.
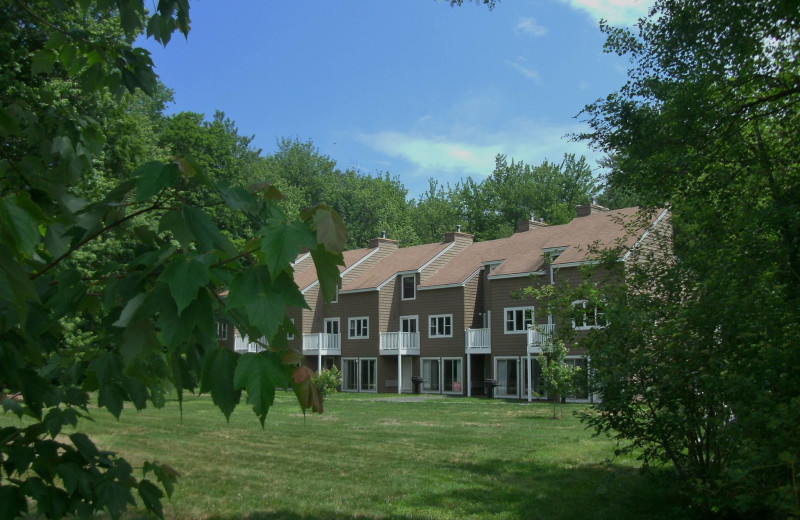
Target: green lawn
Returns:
[[376, 457]]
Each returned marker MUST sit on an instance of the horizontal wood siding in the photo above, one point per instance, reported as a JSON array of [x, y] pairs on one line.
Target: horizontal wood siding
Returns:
[[441, 301], [499, 298], [356, 305]]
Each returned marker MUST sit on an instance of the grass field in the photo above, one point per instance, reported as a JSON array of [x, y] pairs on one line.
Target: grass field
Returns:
[[377, 457]]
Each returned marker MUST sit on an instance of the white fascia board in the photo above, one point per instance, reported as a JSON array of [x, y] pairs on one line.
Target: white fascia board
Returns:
[[451, 285], [443, 251], [347, 270], [516, 275], [647, 232], [309, 287], [559, 249], [306, 255], [577, 264], [353, 291]]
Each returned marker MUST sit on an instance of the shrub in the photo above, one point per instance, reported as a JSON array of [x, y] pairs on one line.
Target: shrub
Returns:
[[327, 380]]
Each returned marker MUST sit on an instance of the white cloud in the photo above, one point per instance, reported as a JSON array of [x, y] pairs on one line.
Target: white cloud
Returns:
[[616, 12], [520, 66], [531, 26], [455, 155]]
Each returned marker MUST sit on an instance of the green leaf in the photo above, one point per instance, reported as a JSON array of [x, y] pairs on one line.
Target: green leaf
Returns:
[[173, 222], [283, 241], [185, 277], [329, 225], [205, 231], [219, 366], [34, 390], [152, 177], [326, 263], [12, 405], [43, 61], [111, 396], [304, 389], [12, 502], [129, 311], [151, 497], [260, 374], [19, 219]]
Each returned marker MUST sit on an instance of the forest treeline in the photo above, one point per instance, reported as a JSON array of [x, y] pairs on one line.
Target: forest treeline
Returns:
[[368, 202]]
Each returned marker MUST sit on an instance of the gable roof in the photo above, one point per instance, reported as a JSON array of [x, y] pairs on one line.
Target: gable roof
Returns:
[[306, 274], [522, 254], [405, 259]]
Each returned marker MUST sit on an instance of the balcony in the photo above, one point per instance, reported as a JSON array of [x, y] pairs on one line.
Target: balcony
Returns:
[[243, 344], [404, 343], [478, 341], [539, 335], [322, 343]]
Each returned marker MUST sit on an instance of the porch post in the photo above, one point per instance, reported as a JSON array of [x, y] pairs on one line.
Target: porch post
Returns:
[[469, 375], [529, 375], [399, 372]]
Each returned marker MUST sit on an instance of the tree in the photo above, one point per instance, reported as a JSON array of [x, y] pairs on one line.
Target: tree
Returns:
[[155, 313], [708, 123], [558, 378]]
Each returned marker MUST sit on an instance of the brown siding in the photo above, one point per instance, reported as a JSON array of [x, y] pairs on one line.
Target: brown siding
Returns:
[[499, 298], [441, 301], [356, 305]]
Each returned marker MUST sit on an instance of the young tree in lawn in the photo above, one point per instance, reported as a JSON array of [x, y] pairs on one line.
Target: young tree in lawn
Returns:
[[155, 313], [708, 123]]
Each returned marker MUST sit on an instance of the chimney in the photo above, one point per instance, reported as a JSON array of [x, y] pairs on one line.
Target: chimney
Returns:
[[458, 236], [527, 225], [383, 242], [584, 210]]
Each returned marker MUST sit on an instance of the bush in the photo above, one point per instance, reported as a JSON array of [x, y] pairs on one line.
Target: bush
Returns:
[[327, 380]]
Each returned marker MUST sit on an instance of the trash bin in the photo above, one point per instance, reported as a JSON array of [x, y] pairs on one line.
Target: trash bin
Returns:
[[416, 381], [489, 385]]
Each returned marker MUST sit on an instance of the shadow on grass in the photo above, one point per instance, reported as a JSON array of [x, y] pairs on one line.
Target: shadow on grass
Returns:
[[503, 489]]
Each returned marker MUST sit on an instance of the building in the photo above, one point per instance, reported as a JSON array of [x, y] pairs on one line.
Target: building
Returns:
[[446, 312]]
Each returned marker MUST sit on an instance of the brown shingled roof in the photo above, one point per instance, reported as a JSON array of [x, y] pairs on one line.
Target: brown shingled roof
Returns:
[[307, 276], [522, 253], [401, 260]]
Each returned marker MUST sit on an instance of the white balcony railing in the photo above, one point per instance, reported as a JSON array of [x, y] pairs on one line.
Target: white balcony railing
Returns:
[[243, 344], [538, 335], [478, 341], [405, 343], [322, 343]]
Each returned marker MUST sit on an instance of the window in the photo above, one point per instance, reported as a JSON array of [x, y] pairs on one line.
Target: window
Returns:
[[518, 319], [431, 375], [441, 326], [408, 324], [332, 326], [587, 315], [452, 370], [359, 328], [289, 335], [222, 329], [368, 380], [349, 375], [335, 294], [506, 370], [409, 286]]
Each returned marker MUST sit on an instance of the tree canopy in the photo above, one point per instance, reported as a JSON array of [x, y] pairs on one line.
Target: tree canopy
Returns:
[[698, 364]]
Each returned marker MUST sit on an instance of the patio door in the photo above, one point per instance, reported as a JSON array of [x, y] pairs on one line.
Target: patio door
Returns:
[[431, 373], [507, 373], [350, 375]]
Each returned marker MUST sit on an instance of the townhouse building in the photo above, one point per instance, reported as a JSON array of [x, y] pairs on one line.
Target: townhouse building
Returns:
[[448, 316]]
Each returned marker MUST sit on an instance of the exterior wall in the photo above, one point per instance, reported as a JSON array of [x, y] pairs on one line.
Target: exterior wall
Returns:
[[441, 301], [499, 298], [354, 305]]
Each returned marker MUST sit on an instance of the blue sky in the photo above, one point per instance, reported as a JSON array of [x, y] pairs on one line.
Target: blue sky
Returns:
[[414, 88]]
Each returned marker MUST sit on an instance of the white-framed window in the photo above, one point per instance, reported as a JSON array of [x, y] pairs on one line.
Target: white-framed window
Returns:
[[408, 324], [332, 326], [587, 315], [517, 319], [431, 370], [289, 335], [507, 373], [349, 374], [408, 286], [358, 327], [222, 329], [452, 375], [440, 326], [335, 294]]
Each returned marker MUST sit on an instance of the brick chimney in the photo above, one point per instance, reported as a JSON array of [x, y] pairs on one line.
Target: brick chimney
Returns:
[[584, 210], [458, 236], [527, 225], [383, 242]]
